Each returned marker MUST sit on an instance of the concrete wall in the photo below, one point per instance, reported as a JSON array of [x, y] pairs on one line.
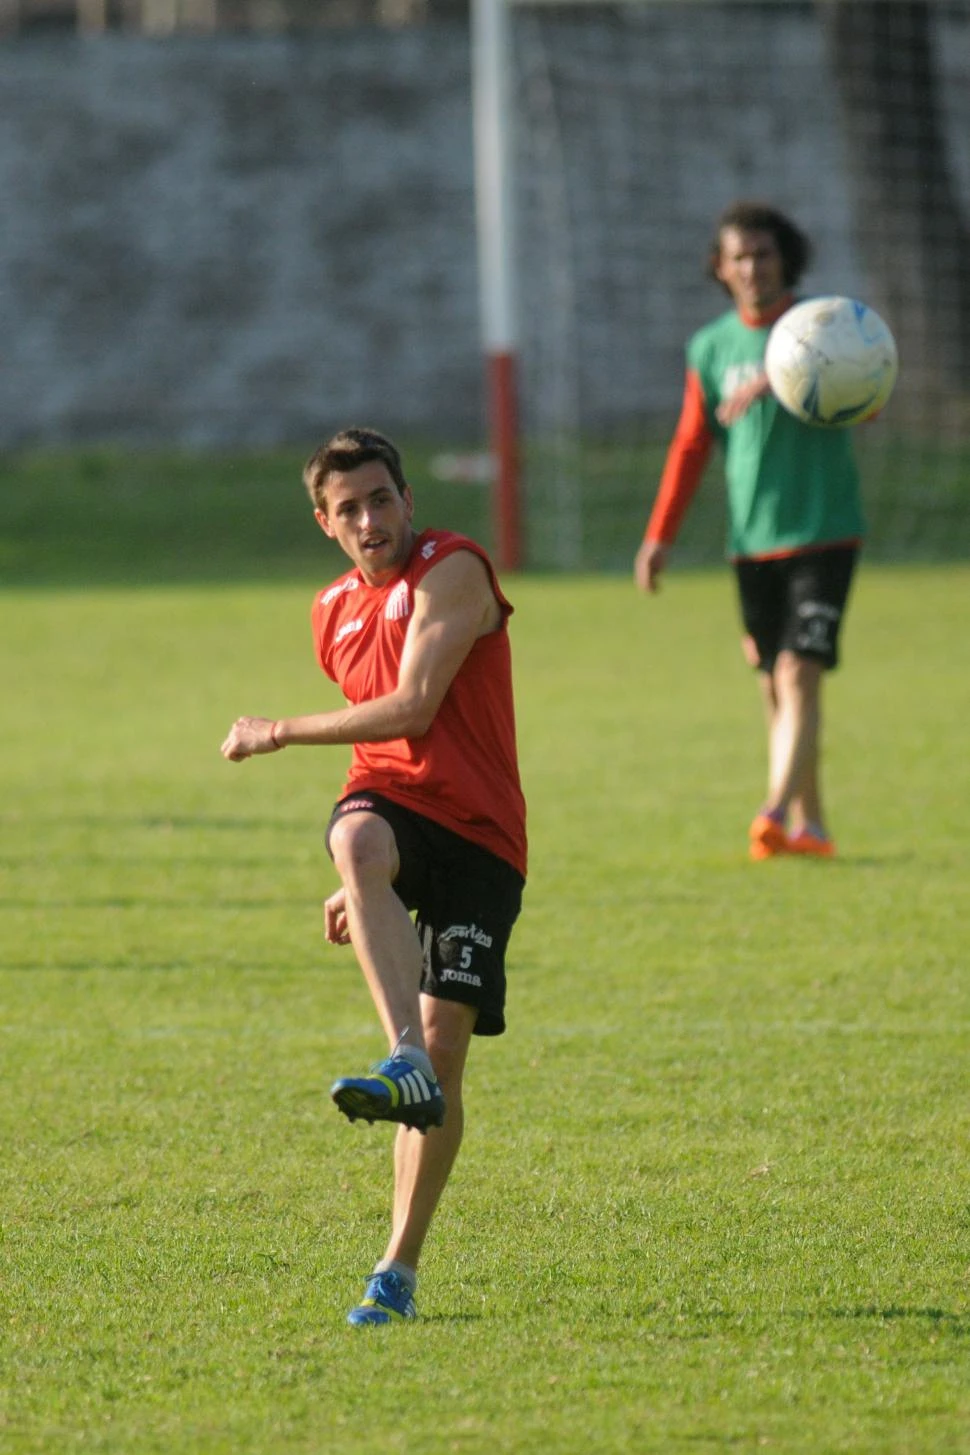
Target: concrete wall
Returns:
[[253, 239], [236, 240]]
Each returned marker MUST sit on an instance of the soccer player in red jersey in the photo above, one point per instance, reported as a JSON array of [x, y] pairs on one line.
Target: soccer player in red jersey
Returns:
[[795, 520], [431, 819]]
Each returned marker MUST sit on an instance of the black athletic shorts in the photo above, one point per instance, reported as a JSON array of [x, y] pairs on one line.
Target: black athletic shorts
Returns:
[[465, 900], [796, 603]]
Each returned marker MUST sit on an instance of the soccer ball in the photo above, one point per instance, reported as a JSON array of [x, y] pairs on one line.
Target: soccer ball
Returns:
[[831, 361]]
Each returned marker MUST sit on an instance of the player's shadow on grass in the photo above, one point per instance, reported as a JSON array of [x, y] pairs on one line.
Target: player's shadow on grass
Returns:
[[859, 861], [957, 1322], [153, 901], [170, 823], [444, 1320]]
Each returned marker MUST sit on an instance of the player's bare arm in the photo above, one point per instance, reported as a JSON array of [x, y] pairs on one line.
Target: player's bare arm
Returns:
[[454, 605], [737, 404], [649, 563]]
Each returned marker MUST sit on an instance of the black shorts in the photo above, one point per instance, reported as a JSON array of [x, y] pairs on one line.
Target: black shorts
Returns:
[[465, 900], [796, 603]]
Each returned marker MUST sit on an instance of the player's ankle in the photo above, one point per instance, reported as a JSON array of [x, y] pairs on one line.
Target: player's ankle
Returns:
[[404, 1271], [417, 1057]]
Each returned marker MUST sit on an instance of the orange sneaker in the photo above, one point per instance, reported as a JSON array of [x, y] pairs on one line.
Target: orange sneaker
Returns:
[[767, 837], [807, 842]]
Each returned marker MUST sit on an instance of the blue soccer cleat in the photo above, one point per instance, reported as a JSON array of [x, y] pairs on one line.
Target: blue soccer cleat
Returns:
[[387, 1299], [393, 1091]]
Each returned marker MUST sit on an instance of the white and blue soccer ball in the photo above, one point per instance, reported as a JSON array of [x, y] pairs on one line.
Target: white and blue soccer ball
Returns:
[[831, 361]]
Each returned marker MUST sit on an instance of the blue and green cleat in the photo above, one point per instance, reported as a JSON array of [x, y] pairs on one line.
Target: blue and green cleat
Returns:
[[387, 1299], [393, 1091]]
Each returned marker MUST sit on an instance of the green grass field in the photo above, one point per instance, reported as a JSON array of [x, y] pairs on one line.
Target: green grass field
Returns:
[[713, 1194]]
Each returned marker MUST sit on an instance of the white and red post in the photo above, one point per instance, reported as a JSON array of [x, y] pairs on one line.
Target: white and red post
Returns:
[[492, 111]]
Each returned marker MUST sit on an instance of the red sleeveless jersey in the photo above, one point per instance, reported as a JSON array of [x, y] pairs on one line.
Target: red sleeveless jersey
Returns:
[[463, 773]]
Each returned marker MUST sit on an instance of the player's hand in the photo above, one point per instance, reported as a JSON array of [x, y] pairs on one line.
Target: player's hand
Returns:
[[650, 561], [737, 404], [249, 736], [335, 918]]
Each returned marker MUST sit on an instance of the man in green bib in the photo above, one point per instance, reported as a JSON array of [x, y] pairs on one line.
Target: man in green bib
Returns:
[[795, 520]]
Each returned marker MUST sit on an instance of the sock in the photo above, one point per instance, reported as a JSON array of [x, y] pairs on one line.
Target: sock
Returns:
[[419, 1059], [815, 829], [405, 1274]]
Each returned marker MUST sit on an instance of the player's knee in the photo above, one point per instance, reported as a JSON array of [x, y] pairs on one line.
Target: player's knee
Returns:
[[447, 1033], [749, 650], [363, 847], [797, 672], [449, 1067]]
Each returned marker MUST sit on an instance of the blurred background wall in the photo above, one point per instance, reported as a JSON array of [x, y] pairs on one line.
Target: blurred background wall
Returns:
[[234, 224], [224, 239], [219, 231]]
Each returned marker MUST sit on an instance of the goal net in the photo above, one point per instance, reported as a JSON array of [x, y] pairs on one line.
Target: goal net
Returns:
[[635, 124]]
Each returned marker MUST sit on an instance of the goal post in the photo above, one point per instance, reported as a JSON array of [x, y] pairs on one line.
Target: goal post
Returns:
[[609, 136], [491, 59]]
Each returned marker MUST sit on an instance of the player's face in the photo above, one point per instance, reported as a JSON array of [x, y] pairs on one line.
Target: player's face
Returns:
[[369, 519], [752, 270]]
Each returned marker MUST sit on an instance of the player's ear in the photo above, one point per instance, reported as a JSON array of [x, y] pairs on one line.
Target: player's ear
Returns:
[[717, 259], [408, 501], [324, 523]]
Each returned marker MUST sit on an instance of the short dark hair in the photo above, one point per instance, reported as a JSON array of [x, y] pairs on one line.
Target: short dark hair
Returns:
[[349, 450], [794, 246]]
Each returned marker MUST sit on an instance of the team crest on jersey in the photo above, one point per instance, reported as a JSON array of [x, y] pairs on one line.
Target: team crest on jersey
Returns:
[[428, 549], [398, 602]]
